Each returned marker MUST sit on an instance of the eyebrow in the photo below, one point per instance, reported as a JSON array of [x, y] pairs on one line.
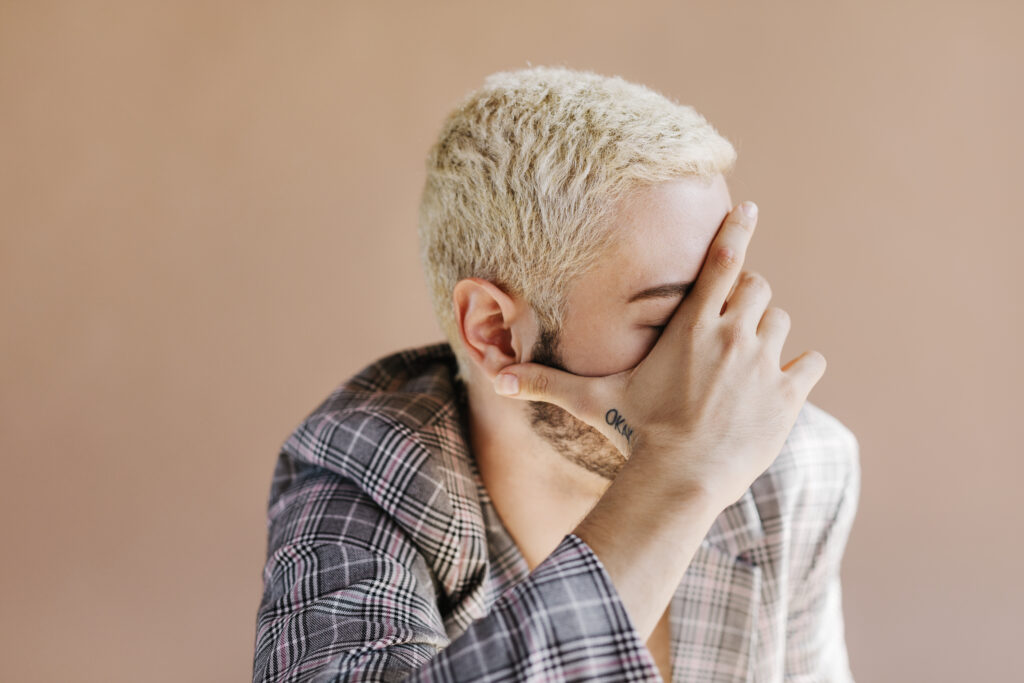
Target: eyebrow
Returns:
[[669, 291]]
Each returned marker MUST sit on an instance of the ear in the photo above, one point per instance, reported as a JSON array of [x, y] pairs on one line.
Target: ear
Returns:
[[491, 324]]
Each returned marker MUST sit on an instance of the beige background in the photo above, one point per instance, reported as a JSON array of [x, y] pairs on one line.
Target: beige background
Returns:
[[208, 221]]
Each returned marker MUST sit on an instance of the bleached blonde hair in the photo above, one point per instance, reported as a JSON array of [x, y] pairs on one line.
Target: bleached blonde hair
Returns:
[[526, 169]]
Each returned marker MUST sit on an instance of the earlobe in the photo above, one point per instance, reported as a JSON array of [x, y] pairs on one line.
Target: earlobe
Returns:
[[486, 318]]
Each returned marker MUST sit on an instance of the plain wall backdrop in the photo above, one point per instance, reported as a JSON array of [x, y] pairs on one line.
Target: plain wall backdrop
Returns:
[[209, 221]]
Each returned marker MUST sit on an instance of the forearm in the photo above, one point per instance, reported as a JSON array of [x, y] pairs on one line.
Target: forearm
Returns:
[[646, 537]]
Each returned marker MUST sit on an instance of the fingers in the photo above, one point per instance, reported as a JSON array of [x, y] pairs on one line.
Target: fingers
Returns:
[[725, 258], [749, 300], [773, 330], [804, 371], [536, 382]]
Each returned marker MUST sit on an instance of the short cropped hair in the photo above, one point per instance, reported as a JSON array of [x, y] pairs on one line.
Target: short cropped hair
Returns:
[[526, 169]]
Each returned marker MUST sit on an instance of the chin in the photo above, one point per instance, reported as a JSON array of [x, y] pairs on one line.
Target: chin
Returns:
[[575, 440]]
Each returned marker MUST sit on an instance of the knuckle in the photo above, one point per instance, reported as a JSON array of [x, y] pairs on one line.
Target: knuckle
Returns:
[[758, 283], [726, 257], [539, 385]]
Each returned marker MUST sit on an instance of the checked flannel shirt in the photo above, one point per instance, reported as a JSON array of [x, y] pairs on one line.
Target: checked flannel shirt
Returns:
[[386, 560]]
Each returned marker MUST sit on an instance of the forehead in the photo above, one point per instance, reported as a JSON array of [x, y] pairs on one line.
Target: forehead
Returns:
[[661, 234]]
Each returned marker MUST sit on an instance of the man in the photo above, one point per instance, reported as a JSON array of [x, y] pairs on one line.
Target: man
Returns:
[[606, 473]]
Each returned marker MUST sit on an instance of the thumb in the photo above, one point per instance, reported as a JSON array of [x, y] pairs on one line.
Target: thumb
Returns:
[[536, 382]]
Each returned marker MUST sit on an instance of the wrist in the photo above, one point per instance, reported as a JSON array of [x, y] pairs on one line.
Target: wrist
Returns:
[[669, 492]]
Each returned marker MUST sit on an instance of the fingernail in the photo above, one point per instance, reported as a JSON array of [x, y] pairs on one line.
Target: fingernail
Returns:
[[750, 208], [506, 385]]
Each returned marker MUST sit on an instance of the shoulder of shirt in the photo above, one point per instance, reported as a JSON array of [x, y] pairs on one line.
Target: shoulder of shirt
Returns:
[[816, 470], [400, 411], [395, 431], [408, 387], [819, 442]]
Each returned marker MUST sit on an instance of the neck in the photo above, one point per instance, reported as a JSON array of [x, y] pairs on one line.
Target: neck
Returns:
[[540, 495]]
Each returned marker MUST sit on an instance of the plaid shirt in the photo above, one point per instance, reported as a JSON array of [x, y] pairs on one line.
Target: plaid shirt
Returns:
[[386, 560]]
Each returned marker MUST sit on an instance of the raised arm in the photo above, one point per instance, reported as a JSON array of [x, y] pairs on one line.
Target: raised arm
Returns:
[[699, 418]]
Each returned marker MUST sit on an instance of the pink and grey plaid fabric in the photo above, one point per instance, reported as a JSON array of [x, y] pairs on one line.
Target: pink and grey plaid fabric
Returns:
[[386, 560]]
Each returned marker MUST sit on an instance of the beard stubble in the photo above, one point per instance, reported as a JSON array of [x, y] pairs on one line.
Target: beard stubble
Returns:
[[572, 438]]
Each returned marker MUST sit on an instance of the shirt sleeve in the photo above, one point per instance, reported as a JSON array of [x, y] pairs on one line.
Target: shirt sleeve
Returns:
[[347, 597], [815, 642]]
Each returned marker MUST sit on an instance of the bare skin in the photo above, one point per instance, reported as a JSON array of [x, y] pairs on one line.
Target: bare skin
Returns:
[[700, 409], [659, 644], [540, 491]]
